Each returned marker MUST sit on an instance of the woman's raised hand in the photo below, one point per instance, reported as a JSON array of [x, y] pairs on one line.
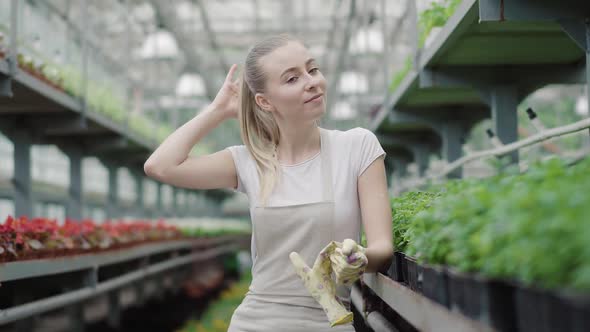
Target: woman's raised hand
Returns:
[[226, 100], [349, 262]]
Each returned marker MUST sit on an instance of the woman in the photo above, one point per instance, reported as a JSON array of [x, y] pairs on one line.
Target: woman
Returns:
[[307, 185]]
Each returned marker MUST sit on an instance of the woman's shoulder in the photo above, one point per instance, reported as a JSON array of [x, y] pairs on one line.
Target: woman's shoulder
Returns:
[[350, 136], [241, 154], [241, 149]]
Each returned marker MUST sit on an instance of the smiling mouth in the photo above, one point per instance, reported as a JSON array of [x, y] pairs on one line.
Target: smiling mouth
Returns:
[[314, 98]]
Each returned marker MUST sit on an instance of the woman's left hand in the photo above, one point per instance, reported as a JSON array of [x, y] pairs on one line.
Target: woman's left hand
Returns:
[[349, 262]]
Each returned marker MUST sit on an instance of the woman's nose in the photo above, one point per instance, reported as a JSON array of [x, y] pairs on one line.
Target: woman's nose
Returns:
[[312, 82]]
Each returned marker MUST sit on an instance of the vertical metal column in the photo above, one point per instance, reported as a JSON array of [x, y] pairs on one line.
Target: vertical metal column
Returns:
[[400, 167], [401, 171], [159, 202], [180, 206], [74, 209], [114, 317], [421, 154], [139, 286], [187, 203], [128, 57], [12, 60], [452, 147], [23, 200], [389, 162], [256, 16], [6, 82], [140, 201], [184, 206], [503, 102], [386, 75], [112, 204], [414, 32], [84, 36], [175, 202]]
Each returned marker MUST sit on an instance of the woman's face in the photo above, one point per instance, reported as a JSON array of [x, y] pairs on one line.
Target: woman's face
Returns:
[[295, 88]]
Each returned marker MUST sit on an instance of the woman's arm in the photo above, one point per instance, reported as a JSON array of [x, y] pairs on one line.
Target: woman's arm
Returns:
[[376, 216], [170, 162], [176, 147]]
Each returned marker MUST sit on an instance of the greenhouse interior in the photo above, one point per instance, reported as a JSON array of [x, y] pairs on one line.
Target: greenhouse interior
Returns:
[[121, 208]]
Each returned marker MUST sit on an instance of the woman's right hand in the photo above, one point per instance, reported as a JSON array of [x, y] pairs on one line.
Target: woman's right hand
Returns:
[[226, 100]]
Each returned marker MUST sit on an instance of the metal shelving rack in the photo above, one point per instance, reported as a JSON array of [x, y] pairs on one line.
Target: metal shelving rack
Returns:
[[143, 270], [487, 58], [33, 112], [423, 313], [484, 61]]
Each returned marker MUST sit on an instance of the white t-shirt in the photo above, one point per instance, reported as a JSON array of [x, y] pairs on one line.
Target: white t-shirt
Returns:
[[353, 151]]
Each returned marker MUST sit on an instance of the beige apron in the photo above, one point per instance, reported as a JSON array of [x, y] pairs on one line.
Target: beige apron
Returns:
[[277, 298]]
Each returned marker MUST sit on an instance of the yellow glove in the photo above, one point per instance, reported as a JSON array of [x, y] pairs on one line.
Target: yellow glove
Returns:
[[349, 262], [318, 281]]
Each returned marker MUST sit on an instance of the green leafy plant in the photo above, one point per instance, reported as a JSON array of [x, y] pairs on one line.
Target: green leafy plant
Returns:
[[435, 16], [404, 208], [531, 227]]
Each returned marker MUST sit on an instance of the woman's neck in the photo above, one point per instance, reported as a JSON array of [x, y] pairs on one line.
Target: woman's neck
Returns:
[[298, 144]]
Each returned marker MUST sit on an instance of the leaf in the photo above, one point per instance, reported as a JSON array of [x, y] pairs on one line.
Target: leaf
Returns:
[[35, 244], [85, 244], [106, 242], [10, 249], [68, 242]]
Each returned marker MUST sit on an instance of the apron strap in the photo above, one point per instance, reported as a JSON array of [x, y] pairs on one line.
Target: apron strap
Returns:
[[326, 166]]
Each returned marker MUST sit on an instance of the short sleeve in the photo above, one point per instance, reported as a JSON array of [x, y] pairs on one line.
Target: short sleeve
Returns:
[[366, 149], [238, 153]]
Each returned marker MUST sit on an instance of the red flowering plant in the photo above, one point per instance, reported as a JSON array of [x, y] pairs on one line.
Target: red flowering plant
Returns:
[[83, 234], [117, 231], [167, 231], [8, 238], [24, 235], [138, 230]]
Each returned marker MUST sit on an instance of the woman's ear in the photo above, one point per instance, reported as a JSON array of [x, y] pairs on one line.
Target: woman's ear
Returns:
[[263, 102]]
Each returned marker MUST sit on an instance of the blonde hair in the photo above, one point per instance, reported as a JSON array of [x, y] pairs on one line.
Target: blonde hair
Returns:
[[259, 130]]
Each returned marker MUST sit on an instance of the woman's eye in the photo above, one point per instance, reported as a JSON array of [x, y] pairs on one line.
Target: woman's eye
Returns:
[[292, 79], [314, 70]]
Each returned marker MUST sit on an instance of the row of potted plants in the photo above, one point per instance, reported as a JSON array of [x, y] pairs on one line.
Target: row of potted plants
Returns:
[[512, 251], [32, 238], [211, 226], [100, 96], [435, 16]]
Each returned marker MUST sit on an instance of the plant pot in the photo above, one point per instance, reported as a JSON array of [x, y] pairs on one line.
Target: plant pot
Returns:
[[532, 308], [578, 309], [435, 284], [489, 301], [414, 274], [404, 264], [456, 288], [548, 311], [395, 269]]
